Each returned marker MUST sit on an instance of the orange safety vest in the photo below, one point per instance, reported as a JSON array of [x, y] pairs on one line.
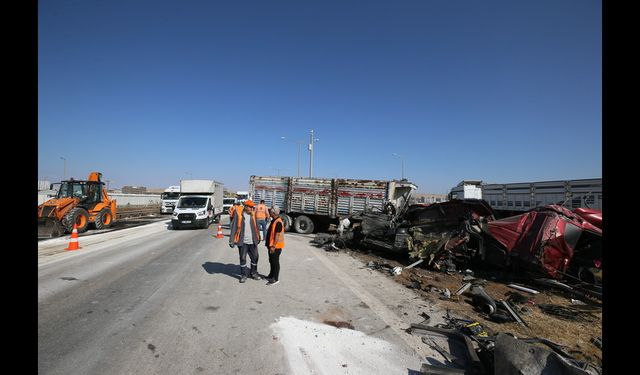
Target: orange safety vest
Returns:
[[239, 226], [261, 212], [232, 209], [276, 239]]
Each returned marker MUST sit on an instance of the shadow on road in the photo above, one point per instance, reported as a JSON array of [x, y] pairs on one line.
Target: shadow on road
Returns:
[[232, 270]]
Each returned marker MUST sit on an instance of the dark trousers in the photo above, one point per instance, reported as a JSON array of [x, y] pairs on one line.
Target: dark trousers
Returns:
[[274, 261], [252, 250]]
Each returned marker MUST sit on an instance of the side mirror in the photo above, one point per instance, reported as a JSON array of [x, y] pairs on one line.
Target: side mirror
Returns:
[[51, 187]]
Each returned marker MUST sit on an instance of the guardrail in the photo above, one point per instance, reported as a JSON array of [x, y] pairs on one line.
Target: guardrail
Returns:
[[134, 211]]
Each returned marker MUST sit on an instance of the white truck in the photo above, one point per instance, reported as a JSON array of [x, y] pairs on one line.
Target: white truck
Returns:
[[309, 204], [199, 205], [169, 199], [242, 196]]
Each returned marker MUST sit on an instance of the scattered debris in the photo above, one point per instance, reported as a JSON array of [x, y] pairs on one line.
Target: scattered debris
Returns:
[[567, 313], [521, 288], [513, 313], [463, 289], [597, 341], [500, 354]]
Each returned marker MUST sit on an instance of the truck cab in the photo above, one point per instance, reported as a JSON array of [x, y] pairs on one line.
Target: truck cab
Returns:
[[193, 211], [242, 196], [169, 199], [227, 203]]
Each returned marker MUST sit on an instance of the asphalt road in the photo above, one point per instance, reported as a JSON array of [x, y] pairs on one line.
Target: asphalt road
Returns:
[[150, 300]]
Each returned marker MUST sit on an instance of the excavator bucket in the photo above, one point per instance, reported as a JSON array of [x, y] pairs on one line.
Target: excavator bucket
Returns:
[[49, 228]]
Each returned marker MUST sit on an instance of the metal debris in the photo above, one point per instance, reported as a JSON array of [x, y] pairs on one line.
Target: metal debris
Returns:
[[521, 288]]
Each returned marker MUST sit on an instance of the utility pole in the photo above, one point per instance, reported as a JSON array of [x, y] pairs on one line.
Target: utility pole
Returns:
[[311, 142], [64, 176]]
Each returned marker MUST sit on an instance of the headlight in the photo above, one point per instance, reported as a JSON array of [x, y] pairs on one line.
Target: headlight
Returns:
[[175, 213], [201, 213]]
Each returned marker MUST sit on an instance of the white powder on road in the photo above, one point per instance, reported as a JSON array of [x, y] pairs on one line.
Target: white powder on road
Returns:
[[315, 348]]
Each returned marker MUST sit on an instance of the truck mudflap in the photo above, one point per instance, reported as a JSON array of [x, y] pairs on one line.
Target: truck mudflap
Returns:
[[49, 228]]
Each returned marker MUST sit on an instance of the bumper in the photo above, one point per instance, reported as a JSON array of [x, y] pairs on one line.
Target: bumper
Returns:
[[193, 223], [167, 210]]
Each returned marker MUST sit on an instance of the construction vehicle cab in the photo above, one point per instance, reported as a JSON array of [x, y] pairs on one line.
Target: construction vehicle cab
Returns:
[[77, 202]]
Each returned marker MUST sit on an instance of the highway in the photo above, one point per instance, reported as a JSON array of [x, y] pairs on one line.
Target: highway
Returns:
[[151, 300]]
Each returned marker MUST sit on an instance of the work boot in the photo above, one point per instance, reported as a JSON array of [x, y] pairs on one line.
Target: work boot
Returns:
[[255, 276], [243, 278], [273, 282]]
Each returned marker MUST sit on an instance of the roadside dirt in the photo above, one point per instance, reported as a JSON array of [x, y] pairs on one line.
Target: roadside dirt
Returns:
[[574, 335]]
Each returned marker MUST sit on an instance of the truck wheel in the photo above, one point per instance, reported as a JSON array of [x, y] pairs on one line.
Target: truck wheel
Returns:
[[104, 218], [79, 216], [286, 219], [303, 225], [205, 225]]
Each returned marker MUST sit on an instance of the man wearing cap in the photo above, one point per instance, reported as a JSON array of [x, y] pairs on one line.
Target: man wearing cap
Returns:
[[275, 244], [245, 235], [261, 218]]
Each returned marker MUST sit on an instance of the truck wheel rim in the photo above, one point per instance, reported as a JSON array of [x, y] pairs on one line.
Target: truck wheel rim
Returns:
[[81, 221], [106, 220]]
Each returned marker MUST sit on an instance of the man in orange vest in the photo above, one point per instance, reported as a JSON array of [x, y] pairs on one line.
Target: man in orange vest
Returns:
[[261, 218], [232, 210], [275, 244], [245, 234]]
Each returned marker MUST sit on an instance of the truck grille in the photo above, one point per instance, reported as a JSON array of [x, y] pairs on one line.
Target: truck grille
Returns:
[[186, 216]]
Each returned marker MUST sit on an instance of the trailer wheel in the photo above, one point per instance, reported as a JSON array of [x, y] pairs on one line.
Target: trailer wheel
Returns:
[[303, 225], [78, 216], [104, 218]]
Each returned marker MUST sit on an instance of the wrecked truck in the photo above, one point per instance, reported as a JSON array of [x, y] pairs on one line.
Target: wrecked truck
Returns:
[[551, 241]]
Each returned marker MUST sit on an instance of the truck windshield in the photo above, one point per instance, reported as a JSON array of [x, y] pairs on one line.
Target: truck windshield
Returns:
[[191, 202], [170, 195], [229, 201]]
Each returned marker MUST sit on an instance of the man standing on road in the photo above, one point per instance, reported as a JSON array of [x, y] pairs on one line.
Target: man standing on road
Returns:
[[245, 234], [261, 218], [275, 244]]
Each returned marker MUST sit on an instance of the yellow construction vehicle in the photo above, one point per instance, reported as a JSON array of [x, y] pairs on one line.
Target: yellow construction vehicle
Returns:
[[77, 202]]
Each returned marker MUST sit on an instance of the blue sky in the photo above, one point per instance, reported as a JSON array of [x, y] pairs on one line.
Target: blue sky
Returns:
[[151, 92]]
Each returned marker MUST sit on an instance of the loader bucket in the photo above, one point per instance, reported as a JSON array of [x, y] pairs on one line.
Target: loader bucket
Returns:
[[49, 228]]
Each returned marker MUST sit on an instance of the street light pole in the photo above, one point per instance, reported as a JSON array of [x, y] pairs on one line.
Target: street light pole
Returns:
[[65, 168], [402, 159], [299, 143], [311, 142]]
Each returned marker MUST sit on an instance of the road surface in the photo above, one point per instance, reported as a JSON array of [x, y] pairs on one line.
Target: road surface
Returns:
[[151, 300]]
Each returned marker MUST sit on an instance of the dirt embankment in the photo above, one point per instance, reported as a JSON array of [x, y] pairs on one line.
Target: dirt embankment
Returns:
[[575, 335]]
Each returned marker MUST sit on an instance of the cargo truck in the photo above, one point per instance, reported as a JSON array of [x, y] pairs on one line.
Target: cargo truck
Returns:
[[169, 199], [309, 204], [515, 198], [199, 205]]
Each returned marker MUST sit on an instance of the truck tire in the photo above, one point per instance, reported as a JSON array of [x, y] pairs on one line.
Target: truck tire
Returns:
[[303, 225], [104, 218], [79, 216], [206, 223]]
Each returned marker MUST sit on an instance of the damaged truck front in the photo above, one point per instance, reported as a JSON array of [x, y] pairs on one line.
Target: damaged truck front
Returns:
[[551, 241]]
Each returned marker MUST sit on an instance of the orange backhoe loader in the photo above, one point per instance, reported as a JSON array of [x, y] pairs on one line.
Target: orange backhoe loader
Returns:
[[78, 202]]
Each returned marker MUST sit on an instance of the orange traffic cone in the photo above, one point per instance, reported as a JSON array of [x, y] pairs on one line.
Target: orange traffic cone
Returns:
[[73, 244], [219, 235]]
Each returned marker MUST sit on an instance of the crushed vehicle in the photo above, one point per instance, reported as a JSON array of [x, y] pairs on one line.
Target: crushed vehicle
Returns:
[[550, 241]]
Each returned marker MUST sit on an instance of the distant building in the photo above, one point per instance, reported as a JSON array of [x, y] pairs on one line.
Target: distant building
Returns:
[[467, 189], [429, 198], [43, 185], [134, 190]]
